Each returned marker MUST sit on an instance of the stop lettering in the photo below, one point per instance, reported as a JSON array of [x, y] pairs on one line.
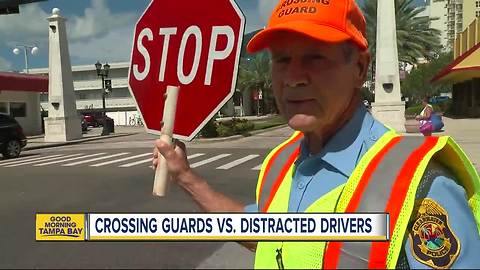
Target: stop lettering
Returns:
[[192, 34]]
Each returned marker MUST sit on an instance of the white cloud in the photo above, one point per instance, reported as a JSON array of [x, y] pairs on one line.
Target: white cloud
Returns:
[[30, 26], [115, 46], [4, 64], [98, 20]]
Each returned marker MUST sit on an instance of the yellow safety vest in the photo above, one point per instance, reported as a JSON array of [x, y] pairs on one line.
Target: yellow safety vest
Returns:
[[393, 163]]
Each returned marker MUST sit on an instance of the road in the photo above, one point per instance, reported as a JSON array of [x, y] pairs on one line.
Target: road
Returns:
[[114, 176]]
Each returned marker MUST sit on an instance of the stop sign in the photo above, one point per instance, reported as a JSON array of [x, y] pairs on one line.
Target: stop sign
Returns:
[[194, 45]]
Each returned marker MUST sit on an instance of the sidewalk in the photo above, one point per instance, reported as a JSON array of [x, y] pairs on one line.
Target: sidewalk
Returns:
[[38, 141]]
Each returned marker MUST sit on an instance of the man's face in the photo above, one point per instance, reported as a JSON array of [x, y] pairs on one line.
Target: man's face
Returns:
[[313, 82]]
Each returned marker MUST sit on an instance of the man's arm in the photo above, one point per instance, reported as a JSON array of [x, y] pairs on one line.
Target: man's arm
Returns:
[[201, 192], [455, 242]]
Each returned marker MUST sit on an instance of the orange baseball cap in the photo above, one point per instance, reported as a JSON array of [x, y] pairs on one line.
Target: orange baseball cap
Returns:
[[325, 20]]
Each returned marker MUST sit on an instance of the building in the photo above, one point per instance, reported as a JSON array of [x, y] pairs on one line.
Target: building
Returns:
[[20, 98], [88, 92], [451, 17], [120, 105], [464, 72]]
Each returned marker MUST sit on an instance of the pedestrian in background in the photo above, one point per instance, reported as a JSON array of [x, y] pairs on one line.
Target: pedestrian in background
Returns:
[[424, 118]]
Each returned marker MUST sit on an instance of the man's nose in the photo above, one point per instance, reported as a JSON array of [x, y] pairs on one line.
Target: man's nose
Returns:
[[296, 75]]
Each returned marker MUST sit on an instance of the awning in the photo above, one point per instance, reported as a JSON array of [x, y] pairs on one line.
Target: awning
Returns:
[[10, 81], [463, 68]]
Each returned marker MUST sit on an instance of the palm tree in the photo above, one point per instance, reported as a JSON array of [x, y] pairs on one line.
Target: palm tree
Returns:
[[254, 74], [415, 38]]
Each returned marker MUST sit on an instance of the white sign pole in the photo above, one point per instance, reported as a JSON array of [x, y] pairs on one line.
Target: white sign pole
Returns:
[[169, 110]]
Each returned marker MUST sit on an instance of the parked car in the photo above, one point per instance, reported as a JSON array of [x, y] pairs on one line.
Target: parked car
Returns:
[[94, 119], [90, 120], [12, 139], [439, 99]]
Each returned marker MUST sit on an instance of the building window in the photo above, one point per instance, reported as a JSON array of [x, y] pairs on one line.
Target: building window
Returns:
[[119, 93], [18, 109], [477, 4], [477, 13], [4, 107]]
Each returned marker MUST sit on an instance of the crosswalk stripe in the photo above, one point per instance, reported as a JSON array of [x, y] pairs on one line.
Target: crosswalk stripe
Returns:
[[257, 168], [120, 160], [136, 163], [68, 159], [94, 159], [195, 155], [25, 160], [237, 162], [188, 157], [206, 161], [42, 160]]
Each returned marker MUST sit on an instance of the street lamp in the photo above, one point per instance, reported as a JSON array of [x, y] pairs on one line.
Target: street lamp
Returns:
[[104, 74], [33, 51]]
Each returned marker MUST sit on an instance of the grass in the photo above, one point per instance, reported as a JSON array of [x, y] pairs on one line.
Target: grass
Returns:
[[273, 121]]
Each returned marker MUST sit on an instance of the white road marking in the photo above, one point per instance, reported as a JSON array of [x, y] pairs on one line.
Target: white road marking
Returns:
[[136, 163], [11, 161], [68, 159], [94, 159], [195, 155], [43, 160], [120, 160], [257, 168], [206, 161], [237, 162]]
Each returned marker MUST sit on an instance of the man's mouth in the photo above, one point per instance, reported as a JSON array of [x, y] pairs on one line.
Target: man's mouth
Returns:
[[300, 101]]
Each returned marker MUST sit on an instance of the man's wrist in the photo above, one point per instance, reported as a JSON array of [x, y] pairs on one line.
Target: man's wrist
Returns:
[[187, 177]]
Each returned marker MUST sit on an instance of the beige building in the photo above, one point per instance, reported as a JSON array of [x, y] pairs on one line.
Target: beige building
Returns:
[[451, 17], [464, 71]]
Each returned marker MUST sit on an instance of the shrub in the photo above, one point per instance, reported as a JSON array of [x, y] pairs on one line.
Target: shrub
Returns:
[[209, 130], [224, 130], [242, 126], [234, 126]]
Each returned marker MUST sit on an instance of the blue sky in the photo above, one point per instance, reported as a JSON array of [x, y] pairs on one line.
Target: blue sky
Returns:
[[96, 29]]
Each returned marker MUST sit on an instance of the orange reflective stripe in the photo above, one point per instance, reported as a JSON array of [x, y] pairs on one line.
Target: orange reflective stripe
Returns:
[[332, 252], [280, 177], [379, 250], [273, 158]]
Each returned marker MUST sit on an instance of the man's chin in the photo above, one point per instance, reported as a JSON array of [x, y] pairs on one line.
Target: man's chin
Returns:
[[302, 122]]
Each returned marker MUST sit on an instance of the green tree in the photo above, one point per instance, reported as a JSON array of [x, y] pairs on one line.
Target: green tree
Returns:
[[254, 74], [415, 38], [417, 83]]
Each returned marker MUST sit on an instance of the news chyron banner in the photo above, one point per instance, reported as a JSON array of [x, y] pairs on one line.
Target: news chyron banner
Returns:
[[213, 227], [60, 227]]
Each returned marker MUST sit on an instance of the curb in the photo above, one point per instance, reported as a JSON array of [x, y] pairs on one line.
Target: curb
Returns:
[[49, 145], [236, 137]]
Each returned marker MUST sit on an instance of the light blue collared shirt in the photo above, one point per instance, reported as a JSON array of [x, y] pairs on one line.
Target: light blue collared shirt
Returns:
[[318, 174]]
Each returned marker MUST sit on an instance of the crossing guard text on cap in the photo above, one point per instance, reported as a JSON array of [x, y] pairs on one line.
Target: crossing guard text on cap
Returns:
[[324, 20]]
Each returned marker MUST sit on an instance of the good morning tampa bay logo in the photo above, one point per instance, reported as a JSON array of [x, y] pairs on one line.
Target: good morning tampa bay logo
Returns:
[[60, 227]]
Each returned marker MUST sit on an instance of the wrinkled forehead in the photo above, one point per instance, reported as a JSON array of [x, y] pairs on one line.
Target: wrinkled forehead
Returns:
[[285, 41]]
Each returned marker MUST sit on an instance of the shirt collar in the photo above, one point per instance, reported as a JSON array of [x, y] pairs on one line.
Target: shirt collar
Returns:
[[343, 150]]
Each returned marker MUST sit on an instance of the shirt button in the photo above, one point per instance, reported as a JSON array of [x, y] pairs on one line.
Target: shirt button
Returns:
[[373, 137], [300, 185]]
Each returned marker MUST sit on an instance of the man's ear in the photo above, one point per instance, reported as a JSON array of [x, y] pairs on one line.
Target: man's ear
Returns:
[[363, 63]]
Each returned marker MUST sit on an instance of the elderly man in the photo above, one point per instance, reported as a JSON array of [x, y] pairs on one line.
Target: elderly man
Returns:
[[340, 159]]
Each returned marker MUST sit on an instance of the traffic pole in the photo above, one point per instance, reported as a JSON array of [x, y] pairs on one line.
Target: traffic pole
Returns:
[[169, 110]]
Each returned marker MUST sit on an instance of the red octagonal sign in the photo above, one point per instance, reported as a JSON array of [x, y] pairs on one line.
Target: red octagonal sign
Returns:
[[191, 44]]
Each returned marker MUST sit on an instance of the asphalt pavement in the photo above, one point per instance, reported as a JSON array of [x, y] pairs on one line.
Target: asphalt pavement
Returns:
[[113, 174]]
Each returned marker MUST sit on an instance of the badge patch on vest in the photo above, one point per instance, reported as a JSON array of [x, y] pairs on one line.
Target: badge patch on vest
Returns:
[[432, 241]]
